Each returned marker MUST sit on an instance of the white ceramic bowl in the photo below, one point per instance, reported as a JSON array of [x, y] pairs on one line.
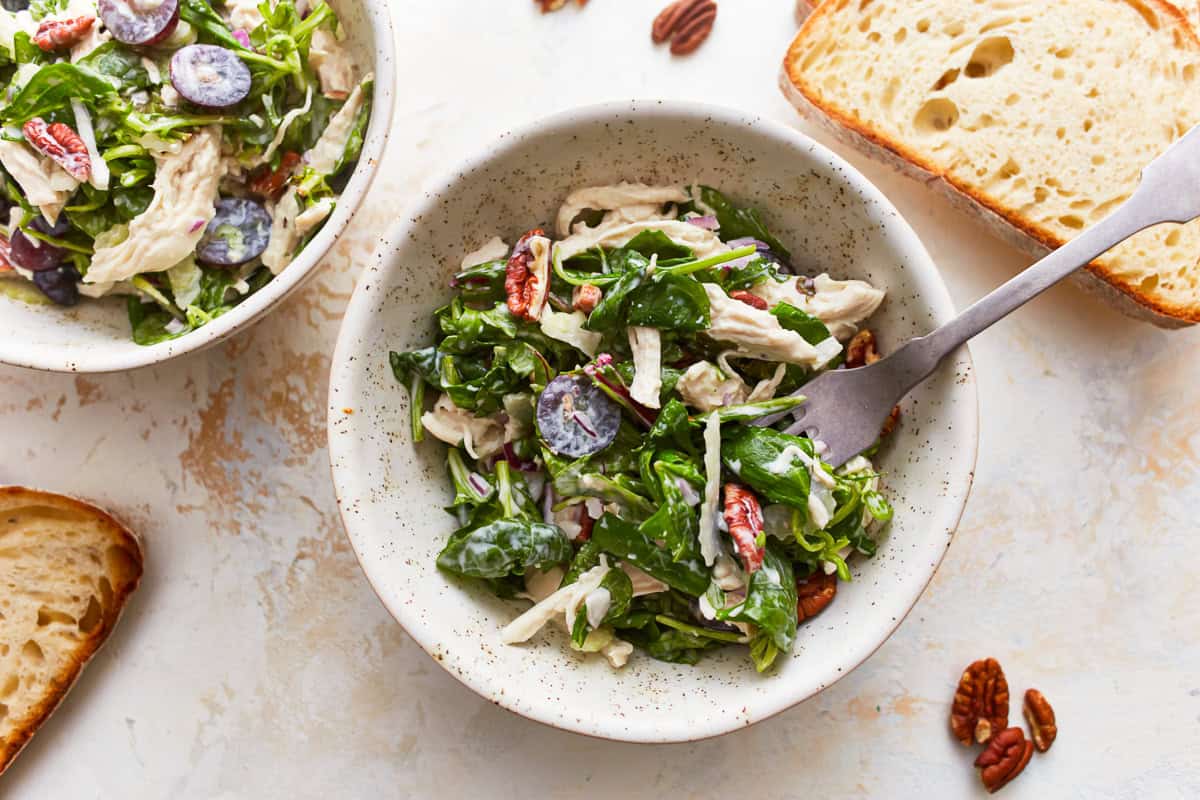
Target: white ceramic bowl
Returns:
[[391, 493], [94, 335]]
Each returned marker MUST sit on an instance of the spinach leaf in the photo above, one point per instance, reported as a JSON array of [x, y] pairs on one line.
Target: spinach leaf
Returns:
[[675, 522], [757, 457], [53, 87], [664, 637], [119, 63], [358, 131], [586, 557], [649, 243], [670, 303], [483, 283], [811, 329], [504, 547], [738, 223], [208, 24], [744, 412], [618, 537], [672, 427], [470, 489], [770, 600], [609, 314], [579, 479], [148, 322]]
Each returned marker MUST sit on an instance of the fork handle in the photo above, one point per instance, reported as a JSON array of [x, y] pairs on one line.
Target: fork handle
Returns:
[[1166, 192]]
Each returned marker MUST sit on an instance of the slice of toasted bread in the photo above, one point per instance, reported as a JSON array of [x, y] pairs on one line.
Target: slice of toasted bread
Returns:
[[1190, 8], [66, 570], [1035, 115]]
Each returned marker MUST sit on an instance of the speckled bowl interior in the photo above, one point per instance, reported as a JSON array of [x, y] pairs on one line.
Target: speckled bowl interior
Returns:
[[94, 335], [391, 493]]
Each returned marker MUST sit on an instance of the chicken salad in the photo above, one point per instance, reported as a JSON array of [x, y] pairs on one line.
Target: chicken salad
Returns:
[[177, 153], [598, 389]]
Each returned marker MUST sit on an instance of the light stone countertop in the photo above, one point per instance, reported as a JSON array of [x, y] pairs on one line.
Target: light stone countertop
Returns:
[[255, 662]]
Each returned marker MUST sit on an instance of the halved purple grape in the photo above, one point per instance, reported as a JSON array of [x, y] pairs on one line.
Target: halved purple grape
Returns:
[[210, 76], [60, 285], [14, 5], [34, 254], [239, 231], [139, 22], [575, 417]]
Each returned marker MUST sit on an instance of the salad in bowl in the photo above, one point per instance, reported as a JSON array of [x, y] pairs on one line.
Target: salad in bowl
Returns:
[[173, 152], [605, 391]]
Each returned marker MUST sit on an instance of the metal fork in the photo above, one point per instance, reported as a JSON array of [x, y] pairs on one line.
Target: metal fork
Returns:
[[845, 409]]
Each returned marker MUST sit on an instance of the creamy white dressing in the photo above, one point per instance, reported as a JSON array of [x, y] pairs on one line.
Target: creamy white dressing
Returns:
[[597, 603]]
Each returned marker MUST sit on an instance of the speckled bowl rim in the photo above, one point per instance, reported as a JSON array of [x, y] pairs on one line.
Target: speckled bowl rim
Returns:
[[357, 320], [378, 12]]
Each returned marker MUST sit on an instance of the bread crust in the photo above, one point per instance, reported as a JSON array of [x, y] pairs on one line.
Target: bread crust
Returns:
[[1004, 223], [14, 497]]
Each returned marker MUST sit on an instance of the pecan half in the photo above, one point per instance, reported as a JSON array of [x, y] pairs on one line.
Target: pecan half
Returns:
[[554, 5], [269, 183], [1005, 756], [586, 523], [980, 702], [890, 423], [5, 258], [861, 350], [744, 518], [814, 594], [585, 298], [749, 299], [56, 34], [1040, 717], [687, 23], [61, 144], [521, 285]]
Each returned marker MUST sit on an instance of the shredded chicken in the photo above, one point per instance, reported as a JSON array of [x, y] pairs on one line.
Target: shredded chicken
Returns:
[[45, 184], [565, 601], [643, 583], [185, 194], [332, 62], [646, 344], [705, 387], [313, 216], [568, 328], [841, 305], [481, 436], [765, 389], [325, 154], [493, 249], [243, 15], [539, 585], [758, 333], [646, 201], [710, 539], [703, 243]]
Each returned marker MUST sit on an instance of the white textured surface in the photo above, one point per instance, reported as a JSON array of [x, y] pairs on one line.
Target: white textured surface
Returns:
[[255, 661]]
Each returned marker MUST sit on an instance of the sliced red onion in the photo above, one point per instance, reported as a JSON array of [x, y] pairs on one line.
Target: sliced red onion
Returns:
[[242, 37], [197, 225], [690, 496], [582, 421], [709, 223], [516, 462], [478, 483]]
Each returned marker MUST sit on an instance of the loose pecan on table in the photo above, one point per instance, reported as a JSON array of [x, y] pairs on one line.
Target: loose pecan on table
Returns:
[[687, 23], [980, 703], [1005, 756], [749, 299], [744, 518], [586, 297], [56, 34], [61, 144], [1043, 728], [270, 182], [554, 5], [520, 282], [814, 594]]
